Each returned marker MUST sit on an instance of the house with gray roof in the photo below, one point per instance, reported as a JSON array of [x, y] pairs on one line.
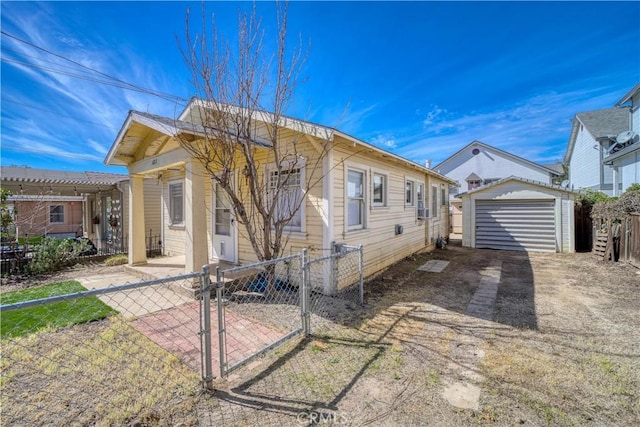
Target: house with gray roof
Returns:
[[593, 135], [623, 156], [88, 204]]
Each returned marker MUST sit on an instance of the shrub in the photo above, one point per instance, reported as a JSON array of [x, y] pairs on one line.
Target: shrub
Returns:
[[616, 210], [116, 260], [55, 254]]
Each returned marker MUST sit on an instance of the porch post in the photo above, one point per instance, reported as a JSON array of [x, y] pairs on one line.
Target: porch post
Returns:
[[195, 218], [137, 248]]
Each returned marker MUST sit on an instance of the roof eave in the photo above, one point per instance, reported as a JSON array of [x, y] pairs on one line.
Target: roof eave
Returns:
[[109, 159], [522, 180], [627, 97], [395, 156]]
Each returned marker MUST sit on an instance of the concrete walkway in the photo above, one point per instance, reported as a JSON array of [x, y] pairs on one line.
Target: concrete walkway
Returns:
[[466, 349], [134, 302]]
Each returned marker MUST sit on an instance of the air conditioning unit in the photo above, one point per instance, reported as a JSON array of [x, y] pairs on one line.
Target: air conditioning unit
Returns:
[[423, 213]]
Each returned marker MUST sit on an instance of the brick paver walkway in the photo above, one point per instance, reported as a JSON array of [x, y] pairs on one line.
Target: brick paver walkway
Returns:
[[177, 331]]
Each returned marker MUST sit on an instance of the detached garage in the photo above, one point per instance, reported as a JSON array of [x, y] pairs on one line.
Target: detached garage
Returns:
[[518, 214]]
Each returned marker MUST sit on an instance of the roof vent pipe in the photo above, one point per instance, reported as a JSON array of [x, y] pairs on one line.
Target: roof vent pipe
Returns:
[[427, 163]]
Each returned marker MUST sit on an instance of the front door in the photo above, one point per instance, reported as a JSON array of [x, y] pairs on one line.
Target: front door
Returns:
[[224, 226]]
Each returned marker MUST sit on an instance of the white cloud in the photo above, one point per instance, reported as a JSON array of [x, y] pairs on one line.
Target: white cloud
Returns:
[[384, 141], [97, 147], [536, 128]]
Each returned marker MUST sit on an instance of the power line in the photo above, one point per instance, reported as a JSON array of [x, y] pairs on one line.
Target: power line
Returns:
[[57, 113], [92, 79], [122, 83]]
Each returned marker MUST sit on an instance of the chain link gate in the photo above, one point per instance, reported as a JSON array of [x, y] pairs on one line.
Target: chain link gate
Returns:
[[263, 305]]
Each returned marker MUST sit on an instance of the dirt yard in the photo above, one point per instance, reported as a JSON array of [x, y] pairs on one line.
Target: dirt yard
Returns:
[[561, 346], [498, 338]]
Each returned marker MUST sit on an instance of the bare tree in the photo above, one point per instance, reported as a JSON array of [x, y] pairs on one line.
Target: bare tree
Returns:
[[243, 95]]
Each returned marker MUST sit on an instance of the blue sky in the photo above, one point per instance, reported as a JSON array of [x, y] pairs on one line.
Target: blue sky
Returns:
[[421, 79]]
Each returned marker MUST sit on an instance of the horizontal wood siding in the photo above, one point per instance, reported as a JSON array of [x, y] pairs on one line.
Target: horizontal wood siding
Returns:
[[311, 237], [382, 246], [174, 237], [152, 207]]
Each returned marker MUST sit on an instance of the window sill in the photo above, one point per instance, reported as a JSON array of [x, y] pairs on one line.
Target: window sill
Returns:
[[176, 227], [355, 233], [297, 235], [379, 207]]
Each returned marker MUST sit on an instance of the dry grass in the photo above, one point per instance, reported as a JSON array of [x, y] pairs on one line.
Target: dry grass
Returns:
[[562, 349], [104, 373]]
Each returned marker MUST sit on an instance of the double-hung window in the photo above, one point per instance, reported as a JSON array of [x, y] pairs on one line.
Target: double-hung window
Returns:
[[285, 189], [420, 201], [408, 193], [355, 199], [176, 203], [56, 214], [379, 190], [434, 201]]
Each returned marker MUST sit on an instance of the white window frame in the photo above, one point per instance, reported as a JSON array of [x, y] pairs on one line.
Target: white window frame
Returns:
[[412, 194], [58, 214], [435, 207], [420, 201], [363, 222], [385, 189], [300, 164], [171, 202], [472, 184]]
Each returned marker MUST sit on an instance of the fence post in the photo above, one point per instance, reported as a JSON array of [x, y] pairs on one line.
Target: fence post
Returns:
[[361, 268], [206, 307], [333, 285], [221, 323], [304, 297]]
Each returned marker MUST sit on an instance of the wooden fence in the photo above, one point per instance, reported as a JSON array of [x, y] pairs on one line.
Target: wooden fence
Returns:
[[619, 242], [631, 244], [583, 228]]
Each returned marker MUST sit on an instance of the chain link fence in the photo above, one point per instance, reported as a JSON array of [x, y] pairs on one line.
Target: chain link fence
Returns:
[[259, 306], [137, 354], [109, 356]]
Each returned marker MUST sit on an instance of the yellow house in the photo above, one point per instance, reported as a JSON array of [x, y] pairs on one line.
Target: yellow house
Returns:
[[354, 193]]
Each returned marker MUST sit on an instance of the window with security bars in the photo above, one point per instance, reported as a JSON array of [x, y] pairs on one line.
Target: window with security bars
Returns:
[[286, 186]]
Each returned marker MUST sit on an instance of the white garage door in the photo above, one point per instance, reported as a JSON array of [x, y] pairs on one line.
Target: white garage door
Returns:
[[516, 225]]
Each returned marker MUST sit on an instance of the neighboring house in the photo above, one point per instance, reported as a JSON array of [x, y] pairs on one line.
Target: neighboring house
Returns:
[[592, 136], [395, 207], [519, 214], [479, 164], [74, 204], [623, 156]]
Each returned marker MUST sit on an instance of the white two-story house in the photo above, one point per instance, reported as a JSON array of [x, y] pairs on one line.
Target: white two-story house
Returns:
[[592, 137], [508, 202], [479, 164], [623, 155]]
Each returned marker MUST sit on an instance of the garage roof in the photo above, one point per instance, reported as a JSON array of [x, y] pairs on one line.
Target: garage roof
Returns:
[[517, 178]]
